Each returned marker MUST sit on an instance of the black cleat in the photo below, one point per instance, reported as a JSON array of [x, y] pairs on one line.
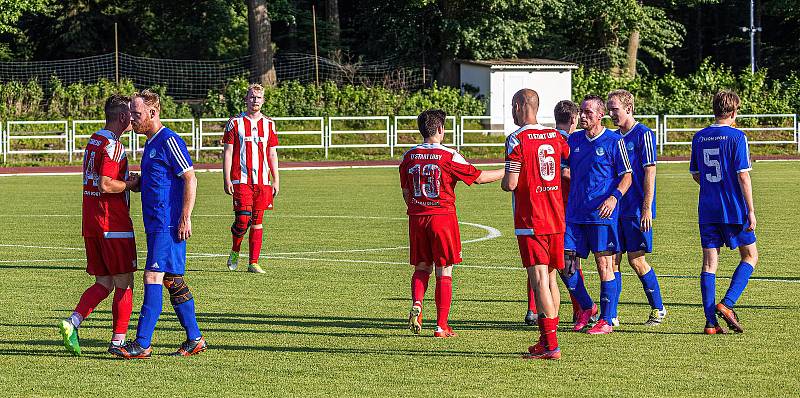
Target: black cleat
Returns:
[[131, 350], [531, 318], [191, 347]]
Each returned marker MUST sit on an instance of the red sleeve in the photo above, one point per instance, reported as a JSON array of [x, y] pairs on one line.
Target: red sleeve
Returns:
[[564, 149], [403, 171], [272, 141], [230, 132], [462, 170], [110, 160]]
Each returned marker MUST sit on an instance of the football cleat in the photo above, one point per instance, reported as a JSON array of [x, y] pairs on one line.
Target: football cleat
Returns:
[[584, 317], [191, 347], [233, 260], [601, 327], [70, 335], [415, 318], [537, 348], [444, 333], [254, 268], [131, 350], [656, 317], [729, 316], [714, 329], [530, 318], [545, 354], [615, 322]]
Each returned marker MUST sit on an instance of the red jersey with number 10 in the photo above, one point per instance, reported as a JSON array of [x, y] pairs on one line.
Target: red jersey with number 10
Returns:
[[535, 152], [251, 140], [430, 172], [105, 214]]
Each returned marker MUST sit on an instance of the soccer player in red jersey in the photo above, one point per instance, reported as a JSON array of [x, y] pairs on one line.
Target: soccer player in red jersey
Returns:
[[533, 173], [107, 227], [428, 175], [250, 173]]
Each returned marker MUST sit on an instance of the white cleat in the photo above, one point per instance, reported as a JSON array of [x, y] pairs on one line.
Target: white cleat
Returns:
[[233, 261]]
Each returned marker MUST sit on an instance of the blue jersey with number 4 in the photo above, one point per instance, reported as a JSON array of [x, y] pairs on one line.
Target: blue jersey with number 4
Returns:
[[719, 154]]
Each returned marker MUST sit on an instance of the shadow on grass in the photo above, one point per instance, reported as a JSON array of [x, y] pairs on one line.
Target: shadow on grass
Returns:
[[368, 351], [42, 267]]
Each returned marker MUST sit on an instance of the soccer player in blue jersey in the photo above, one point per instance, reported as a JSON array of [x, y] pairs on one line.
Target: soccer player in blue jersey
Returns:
[[600, 175], [637, 209], [720, 163], [168, 187]]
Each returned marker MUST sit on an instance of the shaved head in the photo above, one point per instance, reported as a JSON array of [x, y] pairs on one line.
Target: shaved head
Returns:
[[525, 106]]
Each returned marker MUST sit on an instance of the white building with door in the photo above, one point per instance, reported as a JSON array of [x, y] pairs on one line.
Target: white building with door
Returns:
[[498, 80]]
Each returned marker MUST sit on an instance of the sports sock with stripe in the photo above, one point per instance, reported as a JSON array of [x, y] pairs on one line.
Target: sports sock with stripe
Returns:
[[607, 294]]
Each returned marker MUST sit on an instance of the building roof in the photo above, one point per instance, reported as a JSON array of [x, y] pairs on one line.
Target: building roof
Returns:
[[520, 63]]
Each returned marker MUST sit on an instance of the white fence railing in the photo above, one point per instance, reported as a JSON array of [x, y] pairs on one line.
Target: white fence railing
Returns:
[[203, 135]]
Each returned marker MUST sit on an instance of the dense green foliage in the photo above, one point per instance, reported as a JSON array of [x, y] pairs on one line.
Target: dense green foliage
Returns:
[[329, 318]]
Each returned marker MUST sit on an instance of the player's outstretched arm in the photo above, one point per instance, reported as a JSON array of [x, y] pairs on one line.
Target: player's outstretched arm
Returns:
[[227, 160], [110, 185], [747, 191], [488, 176]]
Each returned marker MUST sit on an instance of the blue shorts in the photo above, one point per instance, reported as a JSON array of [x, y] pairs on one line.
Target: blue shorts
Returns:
[[583, 238], [731, 235], [632, 239], [165, 253]]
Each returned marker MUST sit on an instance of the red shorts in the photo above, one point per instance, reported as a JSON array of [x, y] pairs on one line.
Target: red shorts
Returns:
[[110, 256], [435, 239], [542, 249], [252, 197]]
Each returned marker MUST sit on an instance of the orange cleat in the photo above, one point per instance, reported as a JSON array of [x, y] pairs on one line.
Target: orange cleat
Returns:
[[729, 316], [131, 350], [445, 333], [714, 329], [191, 347]]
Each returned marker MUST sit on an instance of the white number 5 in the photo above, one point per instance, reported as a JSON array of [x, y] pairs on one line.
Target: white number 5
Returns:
[[707, 154]]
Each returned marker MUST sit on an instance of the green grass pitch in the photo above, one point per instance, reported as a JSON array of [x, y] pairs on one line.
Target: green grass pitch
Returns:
[[329, 317]]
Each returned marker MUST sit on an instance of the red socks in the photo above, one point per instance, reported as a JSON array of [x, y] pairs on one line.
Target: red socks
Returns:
[[255, 244], [90, 299], [531, 298], [237, 243], [444, 297], [547, 332], [121, 309], [419, 284]]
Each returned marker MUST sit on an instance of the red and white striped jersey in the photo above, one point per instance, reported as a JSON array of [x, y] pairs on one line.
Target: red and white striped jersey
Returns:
[[105, 214], [251, 140]]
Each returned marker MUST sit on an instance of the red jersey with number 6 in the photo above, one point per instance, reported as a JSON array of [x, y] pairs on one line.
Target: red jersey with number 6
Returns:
[[535, 152], [105, 214], [429, 172]]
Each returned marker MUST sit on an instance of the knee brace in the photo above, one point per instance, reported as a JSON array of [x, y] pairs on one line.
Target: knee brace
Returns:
[[178, 290], [241, 223], [258, 217]]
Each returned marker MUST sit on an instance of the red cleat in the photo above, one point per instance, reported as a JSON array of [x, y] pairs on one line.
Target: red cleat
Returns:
[[537, 349], [191, 347], [729, 316], [445, 333], [584, 316], [545, 354], [714, 329], [601, 327]]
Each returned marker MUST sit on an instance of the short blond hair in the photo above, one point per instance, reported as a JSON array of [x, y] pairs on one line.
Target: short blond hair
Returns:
[[256, 88], [725, 103], [150, 98], [624, 97]]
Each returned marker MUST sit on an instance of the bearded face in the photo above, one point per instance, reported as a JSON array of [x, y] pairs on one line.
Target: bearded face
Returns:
[[141, 116]]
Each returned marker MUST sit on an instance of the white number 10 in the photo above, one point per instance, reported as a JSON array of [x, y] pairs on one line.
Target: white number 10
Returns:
[[707, 154]]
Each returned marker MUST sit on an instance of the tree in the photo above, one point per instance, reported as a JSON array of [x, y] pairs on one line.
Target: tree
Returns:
[[12, 11], [332, 17], [263, 70]]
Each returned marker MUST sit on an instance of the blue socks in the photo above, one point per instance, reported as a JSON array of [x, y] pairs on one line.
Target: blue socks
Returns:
[[607, 294], [708, 286], [188, 319], [618, 280], [652, 290], [738, 282], [577, 287], [151, 310]]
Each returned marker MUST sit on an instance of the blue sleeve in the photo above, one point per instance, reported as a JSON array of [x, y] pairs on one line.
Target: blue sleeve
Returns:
[[178, 156], [693, 159], [620, 155], [647, 149], [741, 155]]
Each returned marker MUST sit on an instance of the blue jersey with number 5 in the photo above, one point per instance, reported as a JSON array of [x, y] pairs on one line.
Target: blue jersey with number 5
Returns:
[[719, 154]]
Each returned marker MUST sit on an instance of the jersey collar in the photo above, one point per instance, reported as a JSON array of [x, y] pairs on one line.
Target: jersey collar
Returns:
[[151, 139], [720, 125], [596, 137], [629, 131]]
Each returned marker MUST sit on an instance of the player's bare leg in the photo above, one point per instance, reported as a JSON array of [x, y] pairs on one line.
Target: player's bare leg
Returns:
[[605, 267], [531, 316], [419, 284], [88, 301], [543, 279], [749, 259], [444, 299]]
